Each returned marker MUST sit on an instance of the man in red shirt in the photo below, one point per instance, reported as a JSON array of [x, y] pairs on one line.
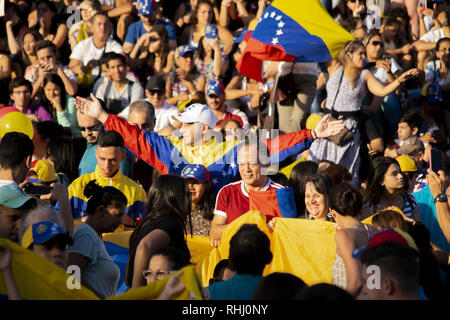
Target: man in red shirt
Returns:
[[215, 98], [233, 199]]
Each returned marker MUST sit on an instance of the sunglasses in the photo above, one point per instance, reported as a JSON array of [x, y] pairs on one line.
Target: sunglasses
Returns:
[[152, 39], [376, 43], [91, 128], [158, 92]]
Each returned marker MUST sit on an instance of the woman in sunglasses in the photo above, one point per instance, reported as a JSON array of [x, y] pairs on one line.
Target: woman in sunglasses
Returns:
[[386, 70], [151, 55]]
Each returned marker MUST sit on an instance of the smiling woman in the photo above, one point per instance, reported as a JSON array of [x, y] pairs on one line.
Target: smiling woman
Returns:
[[386, 187], [317, 197]]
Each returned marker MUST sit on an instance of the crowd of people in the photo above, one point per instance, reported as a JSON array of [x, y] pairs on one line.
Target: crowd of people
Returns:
[[143, 122]]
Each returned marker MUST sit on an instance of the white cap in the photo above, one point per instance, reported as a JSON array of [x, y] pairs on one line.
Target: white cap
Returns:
[[198, 113]]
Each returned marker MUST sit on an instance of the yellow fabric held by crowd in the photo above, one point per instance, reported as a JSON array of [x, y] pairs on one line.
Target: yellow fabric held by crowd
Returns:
[[305, 248], [302, 247], [38, 279]]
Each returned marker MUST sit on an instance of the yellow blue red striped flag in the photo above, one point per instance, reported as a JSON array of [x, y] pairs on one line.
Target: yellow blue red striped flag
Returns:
[[300, 31]]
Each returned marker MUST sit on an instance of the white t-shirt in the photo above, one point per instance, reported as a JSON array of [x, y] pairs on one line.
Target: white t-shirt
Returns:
[[86, 51], [433, 36], [163, 115], [131, 92], [381, 74], [429, 24]]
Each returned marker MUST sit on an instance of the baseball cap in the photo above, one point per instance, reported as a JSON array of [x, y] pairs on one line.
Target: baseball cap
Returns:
[[432, 92], [406, 163], [211, 31], [45, 171], [198, 113], [43, 231], [411, 145], [145, 7], [241, 37], [197, 172], [182, 50], [215, 87], [387, 235], [13, 196], [156, 83]]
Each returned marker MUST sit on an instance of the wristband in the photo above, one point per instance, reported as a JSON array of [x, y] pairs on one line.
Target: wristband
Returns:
[[313, 134]]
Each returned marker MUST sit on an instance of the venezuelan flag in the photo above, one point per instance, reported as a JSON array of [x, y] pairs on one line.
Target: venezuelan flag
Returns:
[[300, 31], [274, 203]]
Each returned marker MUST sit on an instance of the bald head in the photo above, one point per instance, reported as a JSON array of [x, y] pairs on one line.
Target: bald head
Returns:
[[89, 127]]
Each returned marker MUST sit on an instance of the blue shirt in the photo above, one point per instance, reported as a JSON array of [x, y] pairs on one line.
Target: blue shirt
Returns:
[[136, 30], [428, 217], [89, 162], [239, 287]]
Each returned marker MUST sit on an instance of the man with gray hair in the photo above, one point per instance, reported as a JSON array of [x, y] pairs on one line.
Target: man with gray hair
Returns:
[[142, 114]]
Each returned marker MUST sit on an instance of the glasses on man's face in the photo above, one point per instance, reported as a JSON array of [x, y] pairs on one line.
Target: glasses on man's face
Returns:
[[91, 128], [158, 274], [158, 92], [153, 39]]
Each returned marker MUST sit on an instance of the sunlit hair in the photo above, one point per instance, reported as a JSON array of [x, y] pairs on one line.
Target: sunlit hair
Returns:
[[349, 47]]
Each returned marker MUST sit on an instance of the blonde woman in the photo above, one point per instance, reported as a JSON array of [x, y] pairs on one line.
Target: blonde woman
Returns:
[[347, 87]]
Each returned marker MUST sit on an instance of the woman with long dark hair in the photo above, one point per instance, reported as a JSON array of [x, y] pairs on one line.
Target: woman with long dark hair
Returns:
[[387, 186], [203, 15], [57, 102], [202, 198], [158, 59], [60, 151], [210, 61], [168, 213]]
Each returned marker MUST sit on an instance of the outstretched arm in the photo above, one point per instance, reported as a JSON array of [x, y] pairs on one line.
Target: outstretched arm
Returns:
[[378, 89], [149, 146], [293, 143]]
